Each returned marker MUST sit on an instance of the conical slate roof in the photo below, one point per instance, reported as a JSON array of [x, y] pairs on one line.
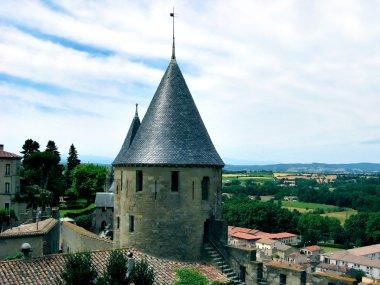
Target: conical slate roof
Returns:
[[128, 140], [172, 131]]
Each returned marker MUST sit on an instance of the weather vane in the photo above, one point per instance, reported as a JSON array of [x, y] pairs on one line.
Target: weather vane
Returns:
[[173, 51]]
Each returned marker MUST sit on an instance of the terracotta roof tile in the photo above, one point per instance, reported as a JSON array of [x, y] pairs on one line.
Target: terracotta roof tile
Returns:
[[5, 154], [47, 269]]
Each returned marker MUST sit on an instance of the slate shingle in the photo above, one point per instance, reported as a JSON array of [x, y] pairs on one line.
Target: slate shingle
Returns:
[[172, 131]]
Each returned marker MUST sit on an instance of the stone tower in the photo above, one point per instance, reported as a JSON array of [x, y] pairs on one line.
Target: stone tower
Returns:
[[168, 176]]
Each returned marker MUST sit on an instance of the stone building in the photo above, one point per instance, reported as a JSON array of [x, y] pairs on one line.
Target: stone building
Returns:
[[42, 236], [103, 214], [168, 176], [9, 178]]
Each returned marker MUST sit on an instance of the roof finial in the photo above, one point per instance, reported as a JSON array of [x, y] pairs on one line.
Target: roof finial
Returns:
[[136, 114], [173, 50]]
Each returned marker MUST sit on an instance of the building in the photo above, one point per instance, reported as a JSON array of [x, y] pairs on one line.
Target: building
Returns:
[[42, 236], [9, 178], [103, 214], [370, 251], [313, 252], [168, 176], [344, 258]]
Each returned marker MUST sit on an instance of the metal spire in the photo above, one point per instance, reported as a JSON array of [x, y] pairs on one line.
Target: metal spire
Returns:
[[136, 114], [173, 50]]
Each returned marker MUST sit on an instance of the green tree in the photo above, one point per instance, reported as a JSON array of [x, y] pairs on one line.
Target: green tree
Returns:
[[30, 146], [78, 270], [373, 228], [116, 269], [72, 162], [355, 226], [88, 179], [143, 274]]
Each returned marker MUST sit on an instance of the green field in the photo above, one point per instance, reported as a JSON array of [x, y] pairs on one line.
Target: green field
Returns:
[[76, 211], [330, 249], [256, 176], [341, 216], [307, 206]]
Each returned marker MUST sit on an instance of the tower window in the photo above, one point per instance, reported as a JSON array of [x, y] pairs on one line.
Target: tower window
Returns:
[[7, 169], [131, 223], [139, 180], [7, 186], [118, 222], [175, 181], [205, 187]]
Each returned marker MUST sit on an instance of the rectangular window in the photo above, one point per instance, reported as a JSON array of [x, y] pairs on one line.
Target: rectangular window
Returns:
[[205, 187], [175, 181], [139, 180], [6, 205], [131, 223], [7, 186], [7, 169]]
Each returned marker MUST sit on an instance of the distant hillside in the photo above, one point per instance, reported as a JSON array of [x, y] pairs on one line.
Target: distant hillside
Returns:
[[311, 167]]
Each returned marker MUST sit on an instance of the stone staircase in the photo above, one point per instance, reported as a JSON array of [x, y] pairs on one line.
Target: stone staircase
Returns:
[[218, 259]]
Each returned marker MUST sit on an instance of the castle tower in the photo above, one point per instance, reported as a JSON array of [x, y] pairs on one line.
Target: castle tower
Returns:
[[168, 176]]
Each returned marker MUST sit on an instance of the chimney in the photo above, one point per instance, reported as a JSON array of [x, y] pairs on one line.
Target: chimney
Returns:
[[1, 147]]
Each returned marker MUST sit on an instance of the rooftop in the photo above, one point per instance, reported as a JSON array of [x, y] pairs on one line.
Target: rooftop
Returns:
[[47, 269], [266, 241], [346, 256], [30, 229], [104, 199], [8, 155], [313, 248], [365, 250], [244, 236], [172, 132]]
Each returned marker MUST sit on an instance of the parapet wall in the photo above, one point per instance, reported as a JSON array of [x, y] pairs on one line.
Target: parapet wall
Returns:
[[77, 239]]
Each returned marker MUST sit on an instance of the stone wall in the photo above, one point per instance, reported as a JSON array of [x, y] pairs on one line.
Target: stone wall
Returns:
[[320, 278], [12, 245], [77, 239], [279, 273], [159, 221]]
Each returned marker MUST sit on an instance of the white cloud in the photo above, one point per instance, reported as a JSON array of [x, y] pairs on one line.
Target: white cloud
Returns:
[[273, 80]]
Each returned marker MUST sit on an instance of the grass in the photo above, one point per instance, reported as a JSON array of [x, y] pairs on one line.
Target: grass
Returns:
[[330, 249], [62, 213], [342, 216], [307, 206]]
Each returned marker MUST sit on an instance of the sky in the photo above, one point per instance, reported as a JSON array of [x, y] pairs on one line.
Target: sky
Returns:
[[274, 81]]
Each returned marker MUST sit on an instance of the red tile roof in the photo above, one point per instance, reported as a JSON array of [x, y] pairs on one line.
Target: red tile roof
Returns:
[[313, 248], [5, 154], [233, 230], [244, 236], [47, 269]]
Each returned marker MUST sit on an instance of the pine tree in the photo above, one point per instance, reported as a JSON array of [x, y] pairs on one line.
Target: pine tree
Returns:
[[72, 162]]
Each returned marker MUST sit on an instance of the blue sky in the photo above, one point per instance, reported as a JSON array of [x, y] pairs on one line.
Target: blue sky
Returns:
[[274, 81]]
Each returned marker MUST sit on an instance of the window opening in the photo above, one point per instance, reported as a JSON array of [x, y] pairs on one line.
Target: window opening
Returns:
[[175, 181], [139, 180], [205, 187]]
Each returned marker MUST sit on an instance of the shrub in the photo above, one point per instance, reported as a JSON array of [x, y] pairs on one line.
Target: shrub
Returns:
[[190, 277], [116, 269], [78, 270], [143, 274], [84, 221]]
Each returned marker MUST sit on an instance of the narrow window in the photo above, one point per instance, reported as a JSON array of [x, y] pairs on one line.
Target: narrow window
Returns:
[[175, 183], [121, 178], [193, 190], [118, 222], [6, 205], [131, 223], [205, 187], [7, 186], [155, 190], [126, 191], [139, 180], [7, 169]]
